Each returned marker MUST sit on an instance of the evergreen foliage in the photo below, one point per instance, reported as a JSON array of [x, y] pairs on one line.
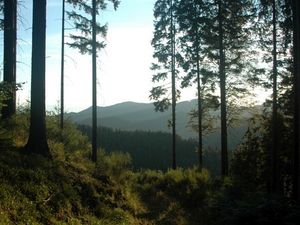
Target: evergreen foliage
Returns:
[[166, 56], [194, 23], [151, 150], [1, 18], [80, 16], [165, 25]]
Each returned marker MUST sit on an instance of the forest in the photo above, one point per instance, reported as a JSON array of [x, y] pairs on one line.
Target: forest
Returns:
[[54, 171]]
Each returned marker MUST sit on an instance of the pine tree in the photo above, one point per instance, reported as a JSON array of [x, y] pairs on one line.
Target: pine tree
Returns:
[[274, 153], [164, 44], [296, 50], [194, 22], [62, 66], [275, 42], [222, 74], [37, 142], [87, 43], [273, 131], [228, 41], [1, 10], [10, 49]]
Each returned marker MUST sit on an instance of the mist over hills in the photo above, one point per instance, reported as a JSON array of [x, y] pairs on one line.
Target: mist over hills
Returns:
[[131, 116]]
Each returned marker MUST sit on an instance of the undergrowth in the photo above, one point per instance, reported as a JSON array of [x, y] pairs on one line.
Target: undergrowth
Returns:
[[70, 189]]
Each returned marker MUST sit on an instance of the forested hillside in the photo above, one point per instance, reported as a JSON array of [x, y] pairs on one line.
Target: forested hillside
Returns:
[[151, 150], [130, 116]]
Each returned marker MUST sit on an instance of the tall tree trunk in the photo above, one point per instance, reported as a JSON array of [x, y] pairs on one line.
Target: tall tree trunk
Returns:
[[9, 64], [296, 51], [200, 145], [174, 165], [62, 67], [274, 149], [94, 62], [37, 142], [224, 150]]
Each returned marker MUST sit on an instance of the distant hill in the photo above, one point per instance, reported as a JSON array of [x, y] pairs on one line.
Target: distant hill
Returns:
[[131, 116], [138, 116]]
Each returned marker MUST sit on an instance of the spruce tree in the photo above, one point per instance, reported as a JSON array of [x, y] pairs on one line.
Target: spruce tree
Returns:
[[62, 78], [84, 20], [194, 21], [228, 42], [275, 43], [9, 59], [37, 142], [296, 51], [164, 44], [62, 66]]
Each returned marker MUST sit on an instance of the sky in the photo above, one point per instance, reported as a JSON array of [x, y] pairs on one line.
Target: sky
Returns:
[[123, 72], [122, 67]]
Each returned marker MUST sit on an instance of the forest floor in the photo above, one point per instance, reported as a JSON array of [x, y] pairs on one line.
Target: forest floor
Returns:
[[70, 189]]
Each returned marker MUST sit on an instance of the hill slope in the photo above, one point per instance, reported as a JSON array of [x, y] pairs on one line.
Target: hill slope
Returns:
[[131, 116], [137, 116], [70, 189]]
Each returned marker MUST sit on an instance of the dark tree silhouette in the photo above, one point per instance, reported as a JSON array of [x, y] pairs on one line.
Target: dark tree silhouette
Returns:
[[87, 43], [274, 150], [9, 59], [1, 10], [222, 75], [62, 66], [37, 142], [94, 71], [274, 38], [165, 54], [173, 52], [194, 24], [296, 50]]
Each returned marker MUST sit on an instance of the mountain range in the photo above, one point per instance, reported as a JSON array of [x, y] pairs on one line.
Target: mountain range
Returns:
[[131, 116]]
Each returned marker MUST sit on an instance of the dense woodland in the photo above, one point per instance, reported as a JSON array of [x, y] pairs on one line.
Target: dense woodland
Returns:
[[151, 150], [51, 172]]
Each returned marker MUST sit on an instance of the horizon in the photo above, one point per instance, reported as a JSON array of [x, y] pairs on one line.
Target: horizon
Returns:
[[145, 103]]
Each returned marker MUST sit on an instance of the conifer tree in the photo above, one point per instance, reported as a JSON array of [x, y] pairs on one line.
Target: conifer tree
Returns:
[[194, 22], [62, 66], [9, 59], [37, 142], [275, 42], [296, 50], [222, 76], [164, 44], [273, 128], [228, 42], [1, 10], [86, 42], [274, 153]]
